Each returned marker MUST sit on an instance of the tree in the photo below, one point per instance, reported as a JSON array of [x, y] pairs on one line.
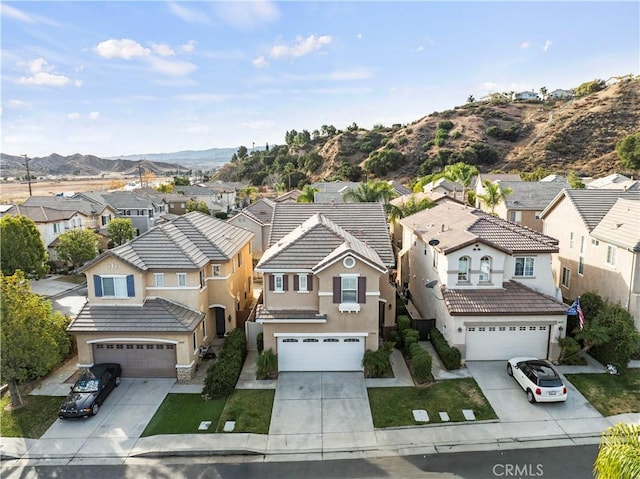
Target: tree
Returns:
[[148, 177], [543, 92], [461, 173], [471, 99], [623, 336], [181, 181], [575, 181], [197, 205], [409, 207], [308, 194], [21, 247], [33, 335], [370, 192], [165, 188], [77, 246], [494, 195], [628, 150], [619, 453], [535, 175], [120, 231]]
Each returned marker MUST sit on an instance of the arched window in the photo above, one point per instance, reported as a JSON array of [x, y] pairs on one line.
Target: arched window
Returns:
[[485, 269], [463, 269]]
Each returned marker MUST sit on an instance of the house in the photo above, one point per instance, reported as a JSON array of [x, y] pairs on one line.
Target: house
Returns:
[[175, 204], [478, 180], [226, 193], [215, 200], [614, 181], [257, 219], [527, 200], [526, 96], [599, 245], [452, 189], [156, 300], [486, 282], [97, 215], [291, 196], [327, 295], [333, 191], [399, 189], [560, 94]]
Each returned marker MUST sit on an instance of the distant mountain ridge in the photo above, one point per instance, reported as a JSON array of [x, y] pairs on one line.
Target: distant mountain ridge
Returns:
[[195, 158]]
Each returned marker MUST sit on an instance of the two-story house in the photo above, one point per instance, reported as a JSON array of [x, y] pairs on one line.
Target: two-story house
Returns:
[[257, 219], [155, 301], [487, 282], [327, 293], [599, 245]]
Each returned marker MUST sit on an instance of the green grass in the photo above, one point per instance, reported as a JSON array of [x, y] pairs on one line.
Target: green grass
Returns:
[[610, 394], [182, 414], [392, 407], [250, 409], [30, 421]]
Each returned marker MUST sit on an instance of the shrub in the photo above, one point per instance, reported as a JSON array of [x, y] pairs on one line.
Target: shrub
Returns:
[[221, 215], [222, 375], [394, 336], [260, 342], [421, 365], [569, 348], [623, 337], [445, 125], [410, 336], [404, 322], [267, 364], [376, 363], [414, 349], [455, 134], [450, 356]]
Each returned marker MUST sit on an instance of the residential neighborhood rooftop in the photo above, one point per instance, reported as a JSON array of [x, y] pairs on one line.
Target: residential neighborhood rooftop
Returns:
[[621, 224], [41, 214], [532, 195]]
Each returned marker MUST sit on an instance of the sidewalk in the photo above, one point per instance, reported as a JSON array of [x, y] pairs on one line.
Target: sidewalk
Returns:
[[53, 286]]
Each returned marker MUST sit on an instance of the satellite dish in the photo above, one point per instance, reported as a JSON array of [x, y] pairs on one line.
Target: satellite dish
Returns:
[[434, 242], [430, 284]]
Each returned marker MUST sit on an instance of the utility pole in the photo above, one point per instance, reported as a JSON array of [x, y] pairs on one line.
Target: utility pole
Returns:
[[140, 171], [26, 161]]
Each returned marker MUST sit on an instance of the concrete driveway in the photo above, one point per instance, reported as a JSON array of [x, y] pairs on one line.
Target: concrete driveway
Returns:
[[510, 403], [114, 430]]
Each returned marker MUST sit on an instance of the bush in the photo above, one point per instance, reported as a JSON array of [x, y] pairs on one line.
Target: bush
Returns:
[[455, 134], [221, 215], [421, 365], [410, 336], [222, 375], [445, 125], [569, 348], [267, 364], [450, 356], [260, 342], [623, 337], [404, 322], [394, 336], [376, 363]]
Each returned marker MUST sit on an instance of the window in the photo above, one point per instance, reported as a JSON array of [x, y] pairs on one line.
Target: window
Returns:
[[582, 244], [114, 286], [204, 328], [566, 277], [515, 216], [524, 266], [595, 242], [159, 279], [182, 279], [463, 269], [349, 289], [537, 214], [571, 240], [581, 265], [611, 255], [302, 282], [278, 282], [105, 220], [194, 338], [202, 278], [239, 259], [216, 269], [485, 269], [56, 228]]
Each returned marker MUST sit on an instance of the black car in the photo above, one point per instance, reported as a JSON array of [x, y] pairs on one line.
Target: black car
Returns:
[[90, 391]]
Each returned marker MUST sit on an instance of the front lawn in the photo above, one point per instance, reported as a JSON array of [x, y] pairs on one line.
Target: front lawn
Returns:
[[183, 413], [250, 409], [393, 407], [610, 394], [30, 421]]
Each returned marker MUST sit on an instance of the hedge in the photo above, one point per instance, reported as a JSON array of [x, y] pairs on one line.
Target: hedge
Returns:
[[223, 374], [410, 336], [421, 365], [450, 356]]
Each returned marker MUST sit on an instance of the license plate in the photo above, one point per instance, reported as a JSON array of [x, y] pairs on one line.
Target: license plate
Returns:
[[552, 393]]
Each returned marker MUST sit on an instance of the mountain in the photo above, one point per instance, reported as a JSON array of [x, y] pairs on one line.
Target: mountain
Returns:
[[199, 159]]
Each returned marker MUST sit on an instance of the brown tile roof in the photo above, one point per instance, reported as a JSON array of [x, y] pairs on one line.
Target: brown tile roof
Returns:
[[513, 299], [456, 226]]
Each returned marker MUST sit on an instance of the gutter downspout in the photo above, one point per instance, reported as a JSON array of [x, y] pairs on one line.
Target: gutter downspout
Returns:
[[633, 268]]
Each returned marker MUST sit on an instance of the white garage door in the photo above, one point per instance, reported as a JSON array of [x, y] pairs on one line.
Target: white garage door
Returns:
[[320, 353], [487, 343]]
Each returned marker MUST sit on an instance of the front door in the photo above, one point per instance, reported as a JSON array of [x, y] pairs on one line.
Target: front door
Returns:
[[220, 328]]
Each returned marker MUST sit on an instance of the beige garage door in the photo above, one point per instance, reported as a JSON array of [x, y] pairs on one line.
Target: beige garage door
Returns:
[[142, 360]]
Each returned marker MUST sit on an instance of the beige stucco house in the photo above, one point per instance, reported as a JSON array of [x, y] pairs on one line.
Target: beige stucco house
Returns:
[[327, 292], [257, 219], [155, 301], [599, 245]]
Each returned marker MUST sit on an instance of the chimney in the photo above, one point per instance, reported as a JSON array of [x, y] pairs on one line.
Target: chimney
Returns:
[[442, 228], [333, 203]]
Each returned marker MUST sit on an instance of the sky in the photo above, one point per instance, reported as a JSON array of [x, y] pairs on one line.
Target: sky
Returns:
[[117, 78]]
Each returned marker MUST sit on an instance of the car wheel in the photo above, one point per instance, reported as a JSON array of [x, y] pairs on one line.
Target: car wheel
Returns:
[[530, 397], [94, 409], [509, 370], [118, 381]]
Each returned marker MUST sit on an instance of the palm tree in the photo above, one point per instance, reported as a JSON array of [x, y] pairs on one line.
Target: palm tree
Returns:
[[409, 207], [461, 173], [619, 453], [308, 194], [371, 192], [494, 195]]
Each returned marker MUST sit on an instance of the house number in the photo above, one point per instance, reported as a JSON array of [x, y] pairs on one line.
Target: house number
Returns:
[[112, 266]]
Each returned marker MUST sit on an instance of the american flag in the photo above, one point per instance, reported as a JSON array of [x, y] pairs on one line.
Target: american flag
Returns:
[[575, 309]]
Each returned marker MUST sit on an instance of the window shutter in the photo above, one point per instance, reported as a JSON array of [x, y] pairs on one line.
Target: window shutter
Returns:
[[337, 289], [131, 290], [362, 289], [97, 285], [309, 282], [271, 283], [296, 282], [285, 282]]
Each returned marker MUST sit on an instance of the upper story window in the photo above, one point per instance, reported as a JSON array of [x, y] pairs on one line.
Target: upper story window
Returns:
[[566, 277], [57, 227], [515, 216], [215, 268], [202, 278], [611, 255], [105, 220], [485, 269], [349, 289], [302, 282], [524, 266], [582, 244], [159, 279], [114, 286], [182, 279], [278, 282], [239, 259], [572, 240], [538, 214], [463, 268]]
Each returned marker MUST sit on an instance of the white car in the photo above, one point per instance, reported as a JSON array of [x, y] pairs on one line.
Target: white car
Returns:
[[538, 378]]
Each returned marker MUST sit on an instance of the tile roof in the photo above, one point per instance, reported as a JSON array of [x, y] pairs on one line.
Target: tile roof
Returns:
[[155, 315], [260, 211], [288, 196], [591, 205], [336, 186], [513, 299], [399, 188], [495, 177], [84, 205], [41, 214], [365, 221], [295, 316], [313, 245], [195, 190], [621, 225], [456, 226], [432, 195], [187, 242], [128, 200], [532, 195]]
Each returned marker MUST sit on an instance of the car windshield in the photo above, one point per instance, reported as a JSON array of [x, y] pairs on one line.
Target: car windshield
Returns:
[[86, 386], [550, 383]]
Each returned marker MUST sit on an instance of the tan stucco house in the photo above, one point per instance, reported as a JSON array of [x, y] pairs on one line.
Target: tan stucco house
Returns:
[[155, 301]]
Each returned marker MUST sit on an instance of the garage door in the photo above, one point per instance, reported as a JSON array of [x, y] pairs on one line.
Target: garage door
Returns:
[[139, 360], [485, 343], [317, 353]]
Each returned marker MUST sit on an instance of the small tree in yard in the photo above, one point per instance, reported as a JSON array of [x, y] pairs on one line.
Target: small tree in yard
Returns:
[[120, 231], [21, 247], [623, 337], [77, 246], [197, 205], [33, 335]]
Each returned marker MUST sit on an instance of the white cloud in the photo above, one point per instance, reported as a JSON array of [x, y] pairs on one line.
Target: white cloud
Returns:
[[489, 86], [420, 49], [162, 49], [171, 67], [94, 115], [187, 14], [189, 46], [247, 15], [547, 45], [16, 14], [300, 47], [42, 75], [77, 83], [73, 116], [350, 75], [125, 49], [260, 62], [17, 105], [359, 36], [525, 45]]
